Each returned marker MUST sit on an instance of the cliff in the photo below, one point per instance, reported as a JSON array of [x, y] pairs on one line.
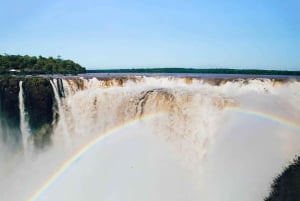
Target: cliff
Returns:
[[39, 103]]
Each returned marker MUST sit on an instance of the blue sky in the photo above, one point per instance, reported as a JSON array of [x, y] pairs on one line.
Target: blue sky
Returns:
[[165, 33]]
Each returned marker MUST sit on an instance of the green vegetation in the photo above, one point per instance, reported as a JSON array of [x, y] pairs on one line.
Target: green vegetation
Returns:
[[37, 65], [286, 186], [17, 64], [194, 70]]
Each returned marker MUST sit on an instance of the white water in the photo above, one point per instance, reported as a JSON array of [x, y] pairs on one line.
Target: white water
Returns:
[[195, 148], [61, 112], [24, 127]]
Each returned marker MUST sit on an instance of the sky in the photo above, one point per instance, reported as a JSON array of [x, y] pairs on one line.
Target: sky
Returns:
[[263, 34]]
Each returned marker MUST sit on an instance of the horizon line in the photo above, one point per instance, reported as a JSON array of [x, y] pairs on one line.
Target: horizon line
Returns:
[[197, 68]]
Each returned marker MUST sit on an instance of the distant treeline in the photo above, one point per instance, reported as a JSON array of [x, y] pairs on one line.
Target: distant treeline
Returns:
[[37, 65], [194, 70]]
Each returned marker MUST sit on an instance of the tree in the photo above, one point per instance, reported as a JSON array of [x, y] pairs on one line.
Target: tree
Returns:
[[33, 65]]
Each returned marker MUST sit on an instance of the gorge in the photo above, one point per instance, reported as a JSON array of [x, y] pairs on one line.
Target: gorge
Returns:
[[138, 137]]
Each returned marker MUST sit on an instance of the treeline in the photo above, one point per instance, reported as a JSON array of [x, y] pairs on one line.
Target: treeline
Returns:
[[194, 70], [37, 65]]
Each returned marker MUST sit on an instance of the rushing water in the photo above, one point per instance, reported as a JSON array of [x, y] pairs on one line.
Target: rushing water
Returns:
[[24, 127], [61, 112], [161, 138]]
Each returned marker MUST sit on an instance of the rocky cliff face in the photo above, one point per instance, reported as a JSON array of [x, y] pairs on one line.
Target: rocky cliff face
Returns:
[[9, 111], [39, 103]]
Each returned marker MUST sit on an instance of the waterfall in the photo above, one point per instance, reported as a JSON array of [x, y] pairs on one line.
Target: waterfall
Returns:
[[60, 87], [24, 127], [171, 138], [96, 106], [61, 113]]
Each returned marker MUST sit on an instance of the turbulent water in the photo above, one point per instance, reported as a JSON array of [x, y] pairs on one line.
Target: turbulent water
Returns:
[[163, 138]]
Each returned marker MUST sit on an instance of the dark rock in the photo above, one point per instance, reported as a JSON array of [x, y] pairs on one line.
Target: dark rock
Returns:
[[286, 186], [9, 110], [39, 99]]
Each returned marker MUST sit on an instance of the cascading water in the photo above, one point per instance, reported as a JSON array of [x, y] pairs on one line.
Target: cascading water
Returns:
[[163, 138], [25, 131], [62, 120]]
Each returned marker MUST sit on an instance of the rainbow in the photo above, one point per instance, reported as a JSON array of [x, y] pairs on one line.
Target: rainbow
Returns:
[[285, 122], [82, 151]]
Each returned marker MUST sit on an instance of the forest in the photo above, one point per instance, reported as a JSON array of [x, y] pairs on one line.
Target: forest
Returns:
[[24, 65], [18, 64]]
